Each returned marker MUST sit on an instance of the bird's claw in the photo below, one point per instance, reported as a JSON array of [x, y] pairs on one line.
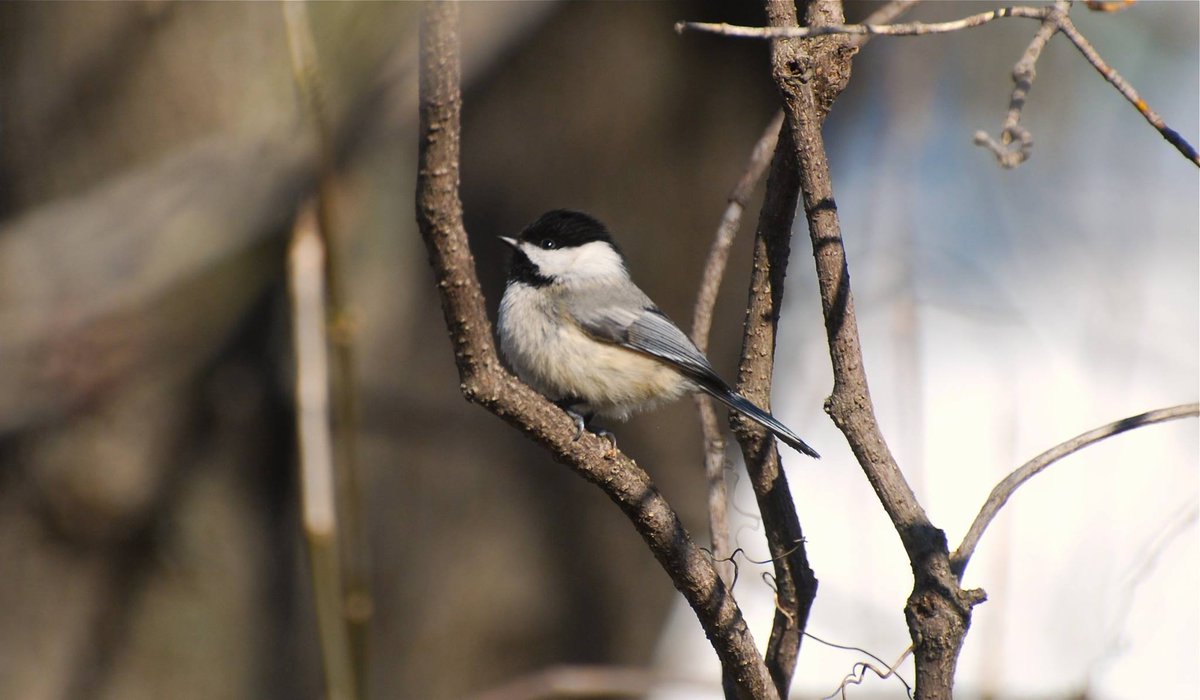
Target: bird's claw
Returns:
[[612, 440], [580, 425]]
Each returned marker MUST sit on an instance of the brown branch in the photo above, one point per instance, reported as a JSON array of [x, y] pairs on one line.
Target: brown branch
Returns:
[[796, 585], [1005, 489], [795, 582], [484, 381], [706, 300], [938, 612]]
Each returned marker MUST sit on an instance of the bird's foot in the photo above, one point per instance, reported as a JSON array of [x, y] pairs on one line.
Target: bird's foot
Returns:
[[580, 419], [581, 424], [612, 440]]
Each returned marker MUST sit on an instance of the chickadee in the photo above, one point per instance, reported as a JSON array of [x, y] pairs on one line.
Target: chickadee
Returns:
[[577, 329]]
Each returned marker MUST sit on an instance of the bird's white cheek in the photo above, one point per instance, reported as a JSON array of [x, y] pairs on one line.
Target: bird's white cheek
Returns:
[[589, 261], [596, 259]]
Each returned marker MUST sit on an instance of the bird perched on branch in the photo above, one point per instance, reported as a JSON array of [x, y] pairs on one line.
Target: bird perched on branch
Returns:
[[576, 328]]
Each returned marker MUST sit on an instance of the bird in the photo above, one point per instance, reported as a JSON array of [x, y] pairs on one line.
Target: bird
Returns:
[[575, 327]]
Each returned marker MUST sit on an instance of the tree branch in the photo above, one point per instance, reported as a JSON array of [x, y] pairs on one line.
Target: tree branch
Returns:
[[1005, 489], [484, 381], [903, 29], [1054, 19], [1067, 27], [706, 300], [796, 584], [886, 13], [809, 78], [1023, 76]]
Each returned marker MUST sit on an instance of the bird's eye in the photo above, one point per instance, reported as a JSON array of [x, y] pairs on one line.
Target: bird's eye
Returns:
[[548, 244]]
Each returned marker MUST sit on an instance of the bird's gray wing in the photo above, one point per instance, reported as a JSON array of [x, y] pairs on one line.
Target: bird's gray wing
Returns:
[[631, 320], [641, 326]]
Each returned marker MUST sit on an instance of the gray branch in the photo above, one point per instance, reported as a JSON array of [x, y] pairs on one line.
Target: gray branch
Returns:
[[1004, 490]]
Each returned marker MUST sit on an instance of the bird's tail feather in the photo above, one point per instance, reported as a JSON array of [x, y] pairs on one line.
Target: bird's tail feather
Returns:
[[743, 406]]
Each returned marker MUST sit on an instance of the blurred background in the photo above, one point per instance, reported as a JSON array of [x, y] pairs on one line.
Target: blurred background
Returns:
[[153, 156]]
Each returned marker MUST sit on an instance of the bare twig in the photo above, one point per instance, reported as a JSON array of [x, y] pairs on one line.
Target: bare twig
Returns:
[[1054, 19], [1023, 75], [484, 380], [706, 300], [886, 13], [731, 221], [1067, 27], [903, 29], [307, 286], [358, 603], [1004, 490], [849, 679], [718, 493], [858, 673]]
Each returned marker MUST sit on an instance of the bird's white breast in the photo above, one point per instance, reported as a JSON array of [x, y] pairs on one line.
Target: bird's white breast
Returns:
[[554, 355]]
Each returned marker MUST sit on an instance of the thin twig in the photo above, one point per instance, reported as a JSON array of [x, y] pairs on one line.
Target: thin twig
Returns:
[[358, 605], [1004, 490], [1023, 75], [1067, 27], [731, 222], [885, 14], [1054, 19], [892, 669], [858, 673], [903, 29], [307, 285], [486, 382], [706, 300]]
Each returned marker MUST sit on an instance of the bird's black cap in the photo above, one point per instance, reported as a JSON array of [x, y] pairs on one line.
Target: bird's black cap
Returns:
[[564, 228]]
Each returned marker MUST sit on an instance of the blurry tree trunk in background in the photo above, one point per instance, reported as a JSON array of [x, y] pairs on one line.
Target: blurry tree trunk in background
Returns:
[[152, 156]]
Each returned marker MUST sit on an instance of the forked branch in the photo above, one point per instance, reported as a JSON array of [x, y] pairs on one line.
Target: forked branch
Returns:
[[938, 611], [486, 382]]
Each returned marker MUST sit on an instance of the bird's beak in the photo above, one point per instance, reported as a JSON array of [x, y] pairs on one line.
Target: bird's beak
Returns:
[[511, 241]]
